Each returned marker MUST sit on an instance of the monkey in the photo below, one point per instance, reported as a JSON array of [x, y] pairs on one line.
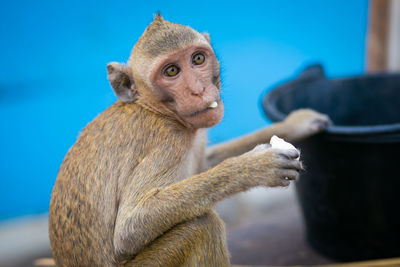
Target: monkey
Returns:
[[139, 185]]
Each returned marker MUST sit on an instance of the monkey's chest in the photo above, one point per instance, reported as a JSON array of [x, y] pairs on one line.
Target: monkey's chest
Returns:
[[190, 166], [194, 159]]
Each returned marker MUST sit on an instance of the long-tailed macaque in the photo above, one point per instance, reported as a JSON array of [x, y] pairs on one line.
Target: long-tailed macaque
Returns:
[[138, 187]]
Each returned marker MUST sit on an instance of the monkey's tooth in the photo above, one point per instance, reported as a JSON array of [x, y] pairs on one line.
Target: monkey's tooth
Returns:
[[213, 104]]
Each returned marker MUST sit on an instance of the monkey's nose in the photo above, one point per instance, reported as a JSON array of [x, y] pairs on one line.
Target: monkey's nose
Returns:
[[199, 91]]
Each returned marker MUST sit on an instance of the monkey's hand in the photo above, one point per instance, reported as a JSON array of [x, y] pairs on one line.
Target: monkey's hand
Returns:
[[267, 166], [303, 123]]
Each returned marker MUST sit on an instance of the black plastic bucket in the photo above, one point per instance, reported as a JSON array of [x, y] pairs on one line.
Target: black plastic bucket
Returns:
[[350, 193]]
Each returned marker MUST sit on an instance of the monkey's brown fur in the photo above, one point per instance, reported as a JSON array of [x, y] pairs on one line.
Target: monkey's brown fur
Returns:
[[136, 188]]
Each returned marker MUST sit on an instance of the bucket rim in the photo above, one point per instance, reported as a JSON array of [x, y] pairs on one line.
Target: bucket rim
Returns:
[[271, 111], [276, 116]]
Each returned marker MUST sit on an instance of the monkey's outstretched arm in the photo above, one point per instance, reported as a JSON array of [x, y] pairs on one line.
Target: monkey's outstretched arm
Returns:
[[298, 125], [140, 222], [235, 147]]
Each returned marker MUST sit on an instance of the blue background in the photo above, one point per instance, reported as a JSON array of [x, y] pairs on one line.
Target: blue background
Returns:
[[53, 58]]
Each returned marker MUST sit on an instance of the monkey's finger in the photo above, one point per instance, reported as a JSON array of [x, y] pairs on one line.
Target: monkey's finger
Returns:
[[284, 182], [288, 174], [278, 182], [326, 119], [291, 164], [288, 153], [321, 122]]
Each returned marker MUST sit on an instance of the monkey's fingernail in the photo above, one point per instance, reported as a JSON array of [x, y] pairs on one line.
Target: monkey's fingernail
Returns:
[[213, 104]]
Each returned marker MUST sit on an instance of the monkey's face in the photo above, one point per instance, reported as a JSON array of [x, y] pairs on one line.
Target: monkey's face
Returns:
[[187, 83]]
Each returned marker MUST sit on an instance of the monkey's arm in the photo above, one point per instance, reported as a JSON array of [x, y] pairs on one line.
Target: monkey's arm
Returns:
[[238, 146], [298, 125], [140, 222]]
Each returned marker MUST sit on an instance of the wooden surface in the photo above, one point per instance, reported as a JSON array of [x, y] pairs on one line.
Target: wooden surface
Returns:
[[275, 239], [375, 263], [378, 27]]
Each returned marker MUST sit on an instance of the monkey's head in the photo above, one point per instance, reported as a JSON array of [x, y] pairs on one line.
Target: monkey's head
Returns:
[[172, 70]]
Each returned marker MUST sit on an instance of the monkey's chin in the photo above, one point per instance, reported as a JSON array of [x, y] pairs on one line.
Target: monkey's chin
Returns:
[[208, 118]]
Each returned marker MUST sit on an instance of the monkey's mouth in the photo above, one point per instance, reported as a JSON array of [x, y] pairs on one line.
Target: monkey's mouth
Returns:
[[212, 105]]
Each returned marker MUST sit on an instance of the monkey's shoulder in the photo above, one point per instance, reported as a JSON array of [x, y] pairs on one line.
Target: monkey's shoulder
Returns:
[[131, 121], [130, 128]]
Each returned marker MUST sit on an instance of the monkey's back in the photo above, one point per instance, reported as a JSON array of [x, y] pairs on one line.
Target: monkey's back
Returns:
[[84, 201]]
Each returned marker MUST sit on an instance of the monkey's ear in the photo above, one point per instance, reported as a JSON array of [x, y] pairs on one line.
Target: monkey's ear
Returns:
[[122, 83], [207, 36]]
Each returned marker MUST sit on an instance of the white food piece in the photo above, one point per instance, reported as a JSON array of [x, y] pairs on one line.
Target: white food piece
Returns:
[[279, 143], [213, 104]]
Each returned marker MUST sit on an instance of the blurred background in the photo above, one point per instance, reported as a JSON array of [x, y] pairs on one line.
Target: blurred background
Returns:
[[53, 76]]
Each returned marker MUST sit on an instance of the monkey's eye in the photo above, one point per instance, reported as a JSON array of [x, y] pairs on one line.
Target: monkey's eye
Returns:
[[198, 58], [171, 71]]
